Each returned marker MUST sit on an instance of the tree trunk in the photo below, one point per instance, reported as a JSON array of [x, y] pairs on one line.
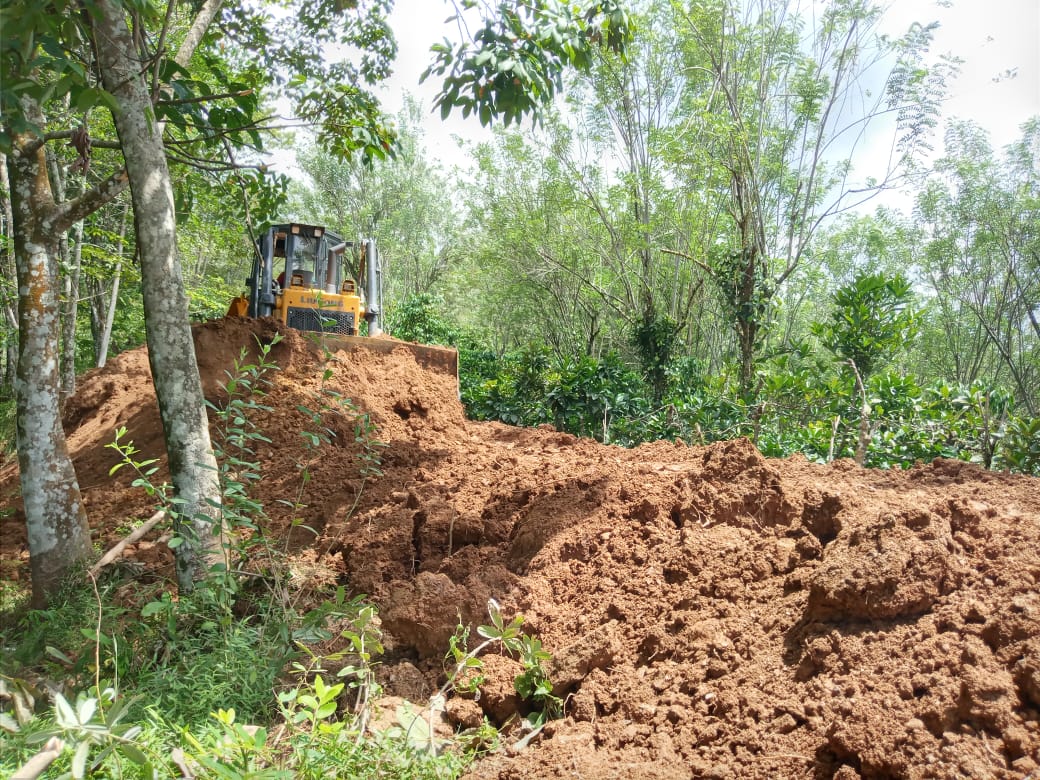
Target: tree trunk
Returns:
[[8, 292], [66, 272], [178, 388], [109, 315], [70, 314], [55, 518], [97, 306]]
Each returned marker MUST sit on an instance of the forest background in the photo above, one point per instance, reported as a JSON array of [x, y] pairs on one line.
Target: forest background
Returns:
[[687, 243]]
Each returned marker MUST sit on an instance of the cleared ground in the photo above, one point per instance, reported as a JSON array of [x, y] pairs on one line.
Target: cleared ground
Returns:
[[712, 613]]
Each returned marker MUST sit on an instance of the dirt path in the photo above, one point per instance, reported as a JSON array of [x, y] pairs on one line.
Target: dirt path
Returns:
[[711, 613]]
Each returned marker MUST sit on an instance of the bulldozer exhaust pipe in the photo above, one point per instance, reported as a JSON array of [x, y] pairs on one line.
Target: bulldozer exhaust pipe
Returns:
[[330, 274], [373, 289]]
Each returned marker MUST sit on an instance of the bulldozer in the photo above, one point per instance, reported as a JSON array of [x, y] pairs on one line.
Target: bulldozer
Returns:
[[311, 279]]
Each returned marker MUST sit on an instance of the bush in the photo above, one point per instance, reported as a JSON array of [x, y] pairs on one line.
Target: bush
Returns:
[[420, 318]]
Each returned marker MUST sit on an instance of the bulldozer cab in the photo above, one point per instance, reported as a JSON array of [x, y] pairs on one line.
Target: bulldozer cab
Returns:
[[308, 259], [301, 275]]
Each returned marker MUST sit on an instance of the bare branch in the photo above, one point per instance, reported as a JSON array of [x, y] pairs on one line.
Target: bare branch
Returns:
[[117, 551]]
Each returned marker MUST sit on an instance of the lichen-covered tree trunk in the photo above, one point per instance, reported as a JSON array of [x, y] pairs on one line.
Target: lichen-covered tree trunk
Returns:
[[171, 351], [56, 520], [70, 260]]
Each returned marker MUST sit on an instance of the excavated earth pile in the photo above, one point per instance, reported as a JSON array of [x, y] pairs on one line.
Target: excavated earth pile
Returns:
[[711, 613]]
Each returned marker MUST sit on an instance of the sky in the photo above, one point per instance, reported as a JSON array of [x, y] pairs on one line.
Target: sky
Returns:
[[999, 41], [999, 84]]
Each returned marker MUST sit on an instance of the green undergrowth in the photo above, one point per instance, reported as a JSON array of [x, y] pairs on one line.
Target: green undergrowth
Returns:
[[835, 394], [173, 688]]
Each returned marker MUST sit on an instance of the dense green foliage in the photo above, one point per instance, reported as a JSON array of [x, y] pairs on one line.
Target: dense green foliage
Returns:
[[675, 257], [871, 321], [806, 399]]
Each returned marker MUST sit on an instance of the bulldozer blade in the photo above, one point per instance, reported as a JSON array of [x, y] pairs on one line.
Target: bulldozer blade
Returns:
[[444, 360]]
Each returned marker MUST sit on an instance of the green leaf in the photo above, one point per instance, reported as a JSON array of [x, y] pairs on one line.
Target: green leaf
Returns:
[[134, 753], [325, 710], [66, 716], [79, 760], [86, 709], [54, 652]]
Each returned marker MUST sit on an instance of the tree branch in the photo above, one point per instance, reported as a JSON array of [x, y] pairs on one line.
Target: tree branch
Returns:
[[204, 98], [191, 41], [72, 211], [211, 166], [117, 551], [706, 268]]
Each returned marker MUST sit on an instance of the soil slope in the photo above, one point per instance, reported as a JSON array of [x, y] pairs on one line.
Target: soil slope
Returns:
[[712, 613]]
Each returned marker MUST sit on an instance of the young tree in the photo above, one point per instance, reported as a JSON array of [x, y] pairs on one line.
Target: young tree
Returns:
[[778, 113], [872, 320], [981, 254], [635, 96]]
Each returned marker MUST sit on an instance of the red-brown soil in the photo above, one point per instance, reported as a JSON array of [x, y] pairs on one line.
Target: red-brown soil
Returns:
[[711, 612]]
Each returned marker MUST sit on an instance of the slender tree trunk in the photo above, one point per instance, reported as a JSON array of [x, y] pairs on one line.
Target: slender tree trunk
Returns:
[[56, 520], [97, 306], [171, 352], [70, 314], [66, 271], [8, 291], [110, 315]]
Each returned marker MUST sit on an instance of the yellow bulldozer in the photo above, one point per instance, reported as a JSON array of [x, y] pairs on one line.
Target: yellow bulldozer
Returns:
[[311, 279]]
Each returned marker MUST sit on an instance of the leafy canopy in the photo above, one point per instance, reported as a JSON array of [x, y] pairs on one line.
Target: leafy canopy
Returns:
[[514, 64]]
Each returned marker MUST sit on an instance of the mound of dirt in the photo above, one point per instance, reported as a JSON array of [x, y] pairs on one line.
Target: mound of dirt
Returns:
[[711, 613]]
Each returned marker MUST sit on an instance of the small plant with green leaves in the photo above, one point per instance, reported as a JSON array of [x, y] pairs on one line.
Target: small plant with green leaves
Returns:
[[313, 702], [240, 752], [532, 684], [145, 469], [236, 433], [91, 729]]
